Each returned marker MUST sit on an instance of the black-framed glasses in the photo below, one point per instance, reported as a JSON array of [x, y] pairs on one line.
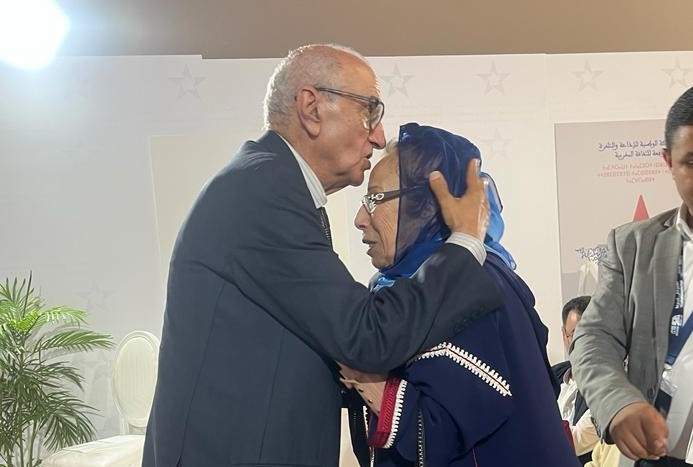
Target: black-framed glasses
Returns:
[[371, 200], [376, 107]]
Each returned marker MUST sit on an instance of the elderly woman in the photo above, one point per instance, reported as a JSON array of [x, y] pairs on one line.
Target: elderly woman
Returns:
[[485, 398]]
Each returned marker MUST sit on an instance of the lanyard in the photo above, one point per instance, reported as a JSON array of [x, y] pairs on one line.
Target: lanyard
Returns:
[[678, 331]]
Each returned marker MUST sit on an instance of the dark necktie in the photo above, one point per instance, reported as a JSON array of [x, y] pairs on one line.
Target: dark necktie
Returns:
[[353, 402], [325, 223]]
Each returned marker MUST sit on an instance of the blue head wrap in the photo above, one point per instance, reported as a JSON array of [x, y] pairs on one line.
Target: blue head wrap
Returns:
[[421, 229]]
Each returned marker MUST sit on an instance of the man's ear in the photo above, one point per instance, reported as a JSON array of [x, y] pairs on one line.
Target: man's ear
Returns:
[[666, 155], [307, 101]]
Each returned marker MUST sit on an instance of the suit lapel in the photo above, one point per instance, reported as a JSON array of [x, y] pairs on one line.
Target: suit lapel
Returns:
[[667, 249]]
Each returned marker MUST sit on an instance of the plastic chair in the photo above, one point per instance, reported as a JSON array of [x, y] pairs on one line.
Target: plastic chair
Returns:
[[134, 379]]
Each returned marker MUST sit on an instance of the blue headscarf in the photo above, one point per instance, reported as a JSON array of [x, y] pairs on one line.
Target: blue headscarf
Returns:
[[421, 229]]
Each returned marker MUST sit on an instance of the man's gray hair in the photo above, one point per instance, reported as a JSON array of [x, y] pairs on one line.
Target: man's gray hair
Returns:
[[315, 64]]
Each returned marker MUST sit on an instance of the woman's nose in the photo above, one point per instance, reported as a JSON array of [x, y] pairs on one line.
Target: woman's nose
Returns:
[[361, 219]]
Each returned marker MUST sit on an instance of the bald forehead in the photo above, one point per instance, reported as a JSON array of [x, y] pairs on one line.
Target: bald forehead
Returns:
[[347, 69], [344, 57], [356, 74]]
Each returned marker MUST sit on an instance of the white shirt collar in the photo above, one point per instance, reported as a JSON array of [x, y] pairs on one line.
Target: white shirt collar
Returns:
[[681, 223], [317, 192]]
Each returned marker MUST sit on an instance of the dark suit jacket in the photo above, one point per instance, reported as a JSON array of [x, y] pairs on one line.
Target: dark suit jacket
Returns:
[[258, 309]]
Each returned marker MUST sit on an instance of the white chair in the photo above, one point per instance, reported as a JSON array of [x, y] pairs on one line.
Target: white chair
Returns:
[[134, 378]]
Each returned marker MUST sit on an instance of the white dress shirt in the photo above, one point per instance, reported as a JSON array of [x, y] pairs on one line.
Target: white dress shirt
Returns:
[[585, 436], [680, 416]]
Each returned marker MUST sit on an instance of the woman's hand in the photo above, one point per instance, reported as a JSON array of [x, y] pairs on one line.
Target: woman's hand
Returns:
[[370, 386]]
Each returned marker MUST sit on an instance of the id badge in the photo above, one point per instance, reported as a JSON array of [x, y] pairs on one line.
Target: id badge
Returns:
[[667, 390]]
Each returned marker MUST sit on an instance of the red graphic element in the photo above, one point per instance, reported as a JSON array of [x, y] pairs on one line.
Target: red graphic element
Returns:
[[640, 210]]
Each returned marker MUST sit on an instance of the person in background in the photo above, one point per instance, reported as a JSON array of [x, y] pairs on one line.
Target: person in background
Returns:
[[258, 304], [640, 315], [484, 397], [604, 455], [570, 402]]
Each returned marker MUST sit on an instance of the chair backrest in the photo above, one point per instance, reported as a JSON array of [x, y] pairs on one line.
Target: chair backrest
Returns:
[[134, 379]]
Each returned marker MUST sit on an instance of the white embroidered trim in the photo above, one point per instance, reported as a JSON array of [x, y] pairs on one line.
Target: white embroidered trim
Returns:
[[471, 363], [396, 415]]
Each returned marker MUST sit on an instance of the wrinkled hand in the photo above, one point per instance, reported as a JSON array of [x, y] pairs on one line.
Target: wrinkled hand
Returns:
[[640, 431], [370, 386], [470, 213]]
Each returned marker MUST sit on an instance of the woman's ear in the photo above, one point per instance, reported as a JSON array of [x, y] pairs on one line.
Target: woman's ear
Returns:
[[308, 109]]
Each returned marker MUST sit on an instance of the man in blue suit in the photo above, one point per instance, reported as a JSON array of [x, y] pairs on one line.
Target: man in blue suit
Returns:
[[259, 306]]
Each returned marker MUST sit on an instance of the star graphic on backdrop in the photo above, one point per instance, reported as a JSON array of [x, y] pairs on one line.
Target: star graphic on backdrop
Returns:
[[96, 297], [494, 80], [397, 82], [187, 83], [677, 75], [588, 77], [495, 146]]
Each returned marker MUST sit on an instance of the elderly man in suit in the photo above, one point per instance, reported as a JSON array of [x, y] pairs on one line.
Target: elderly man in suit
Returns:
[[632, 355], [259, 307]]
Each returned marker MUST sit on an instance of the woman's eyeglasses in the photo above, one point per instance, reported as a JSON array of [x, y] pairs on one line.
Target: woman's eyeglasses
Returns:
[[371, 200]]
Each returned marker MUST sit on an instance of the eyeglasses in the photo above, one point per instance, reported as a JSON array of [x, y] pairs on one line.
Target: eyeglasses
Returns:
[[371, 200], [376, 107]]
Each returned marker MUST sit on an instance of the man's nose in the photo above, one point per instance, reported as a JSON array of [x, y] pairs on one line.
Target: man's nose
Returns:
[[377, 136]]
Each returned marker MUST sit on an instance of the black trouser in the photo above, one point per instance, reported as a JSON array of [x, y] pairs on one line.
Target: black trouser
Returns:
[[663, 462]]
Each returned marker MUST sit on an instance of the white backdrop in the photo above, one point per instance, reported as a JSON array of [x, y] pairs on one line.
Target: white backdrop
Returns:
[[101, 157]]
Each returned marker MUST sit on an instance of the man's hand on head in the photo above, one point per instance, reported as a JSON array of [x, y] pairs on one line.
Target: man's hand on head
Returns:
[[469, 213]]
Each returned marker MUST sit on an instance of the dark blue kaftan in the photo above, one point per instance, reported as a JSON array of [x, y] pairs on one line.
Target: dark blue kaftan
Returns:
[[486, 396]]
